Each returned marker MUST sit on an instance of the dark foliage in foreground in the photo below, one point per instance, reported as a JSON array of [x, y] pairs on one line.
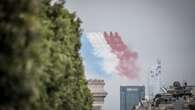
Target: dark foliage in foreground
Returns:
[[40, 65]]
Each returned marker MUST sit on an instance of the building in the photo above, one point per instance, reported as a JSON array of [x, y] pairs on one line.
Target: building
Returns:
[[97, 89], [174, 97], [131, 96]]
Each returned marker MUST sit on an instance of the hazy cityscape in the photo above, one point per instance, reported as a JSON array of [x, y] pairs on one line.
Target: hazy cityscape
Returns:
[[97, 54], [154, 29]]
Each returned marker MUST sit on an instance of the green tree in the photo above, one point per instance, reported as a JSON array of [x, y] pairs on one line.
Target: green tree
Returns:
[[20, 61], [66, 86], [40, 64]]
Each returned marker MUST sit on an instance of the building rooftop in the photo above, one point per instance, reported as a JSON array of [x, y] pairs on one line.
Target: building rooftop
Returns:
[[96, 82]]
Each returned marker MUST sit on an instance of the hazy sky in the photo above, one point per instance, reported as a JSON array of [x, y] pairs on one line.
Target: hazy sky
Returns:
[[163, 29]]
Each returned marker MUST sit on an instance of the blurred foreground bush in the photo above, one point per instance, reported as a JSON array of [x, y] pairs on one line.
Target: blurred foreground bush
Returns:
[[40, 65]]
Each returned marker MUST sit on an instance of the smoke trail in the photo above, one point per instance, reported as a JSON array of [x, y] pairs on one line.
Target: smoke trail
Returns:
[[127, 58]]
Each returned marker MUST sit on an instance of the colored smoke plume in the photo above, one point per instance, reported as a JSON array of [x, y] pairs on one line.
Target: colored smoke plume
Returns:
[[127, 58]]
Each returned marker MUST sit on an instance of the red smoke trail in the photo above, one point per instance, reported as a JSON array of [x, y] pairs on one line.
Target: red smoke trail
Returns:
[[127, 58]]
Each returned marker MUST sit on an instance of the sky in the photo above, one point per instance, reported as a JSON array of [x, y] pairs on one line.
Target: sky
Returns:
[[154, 29]]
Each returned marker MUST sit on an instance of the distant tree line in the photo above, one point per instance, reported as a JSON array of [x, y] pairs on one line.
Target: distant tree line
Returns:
[[40, 64]]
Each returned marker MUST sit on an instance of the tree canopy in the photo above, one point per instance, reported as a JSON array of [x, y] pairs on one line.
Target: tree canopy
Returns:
[[40, 64]]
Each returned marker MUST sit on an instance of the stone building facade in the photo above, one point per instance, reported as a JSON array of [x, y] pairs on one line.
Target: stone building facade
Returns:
[[97, 89]]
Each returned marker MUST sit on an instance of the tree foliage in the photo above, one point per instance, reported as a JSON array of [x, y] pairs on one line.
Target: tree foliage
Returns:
[[41, 68]]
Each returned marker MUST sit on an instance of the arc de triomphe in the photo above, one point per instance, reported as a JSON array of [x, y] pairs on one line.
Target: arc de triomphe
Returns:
[[97, 89]]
